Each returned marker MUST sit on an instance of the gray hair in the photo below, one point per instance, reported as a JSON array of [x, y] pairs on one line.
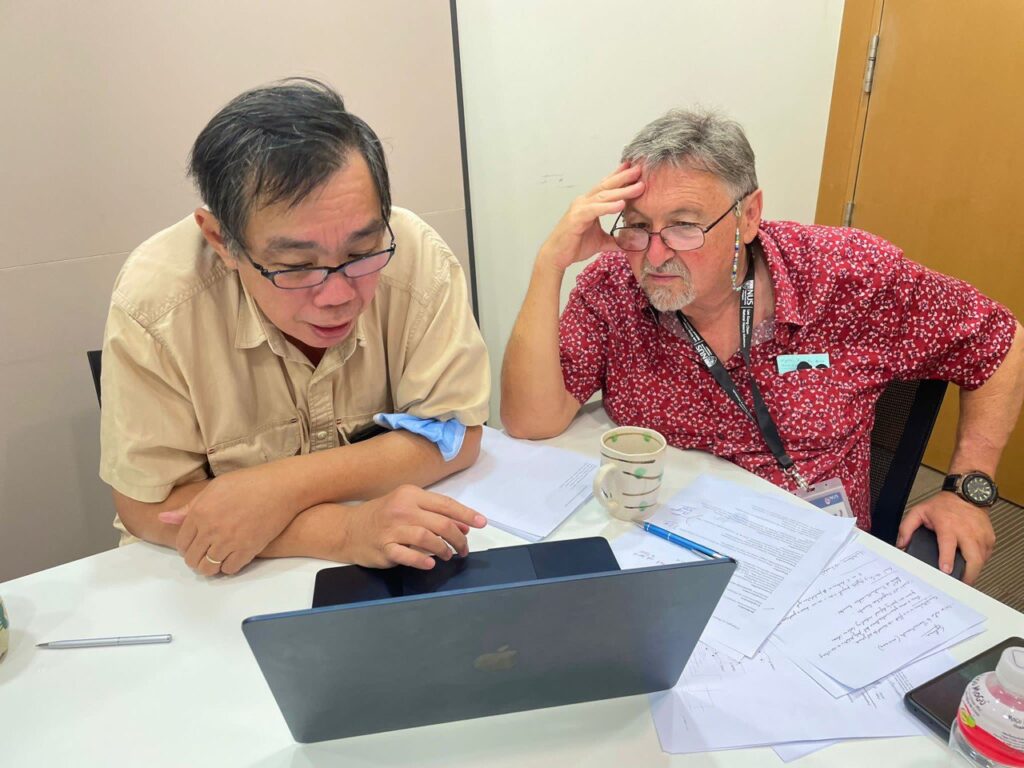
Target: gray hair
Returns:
[[699, 139], [279, 143]]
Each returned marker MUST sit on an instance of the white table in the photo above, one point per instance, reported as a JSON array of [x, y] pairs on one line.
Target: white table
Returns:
[[202, 701]]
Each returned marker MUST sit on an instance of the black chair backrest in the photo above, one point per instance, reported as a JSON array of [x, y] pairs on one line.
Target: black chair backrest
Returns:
[[904, 417], [95, 364]]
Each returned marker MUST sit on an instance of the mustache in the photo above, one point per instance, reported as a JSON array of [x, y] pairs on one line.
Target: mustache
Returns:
[[668, 268]]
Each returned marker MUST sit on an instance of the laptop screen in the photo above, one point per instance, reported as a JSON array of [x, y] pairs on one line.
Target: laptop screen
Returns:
[[491, 567]]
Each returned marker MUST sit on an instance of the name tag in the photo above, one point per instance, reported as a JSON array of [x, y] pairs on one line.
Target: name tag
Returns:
[[828, 496], [805, 362]]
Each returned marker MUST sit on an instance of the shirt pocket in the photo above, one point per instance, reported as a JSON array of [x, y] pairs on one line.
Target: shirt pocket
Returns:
[[814, 409], [354, 432], [276, 440]]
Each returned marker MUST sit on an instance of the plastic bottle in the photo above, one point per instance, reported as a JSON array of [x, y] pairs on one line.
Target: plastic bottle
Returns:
[[989, 726]]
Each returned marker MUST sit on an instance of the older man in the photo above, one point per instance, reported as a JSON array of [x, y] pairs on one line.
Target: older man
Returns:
[[766, 343], [253, 348]]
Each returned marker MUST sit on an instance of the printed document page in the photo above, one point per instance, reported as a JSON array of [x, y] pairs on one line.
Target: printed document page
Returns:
[[722, 703], [885, 694], [639, 549], [780, 546], [522, 487]]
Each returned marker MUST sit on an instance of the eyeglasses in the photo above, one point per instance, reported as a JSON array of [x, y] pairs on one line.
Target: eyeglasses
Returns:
[[678, 237], [311, 277]]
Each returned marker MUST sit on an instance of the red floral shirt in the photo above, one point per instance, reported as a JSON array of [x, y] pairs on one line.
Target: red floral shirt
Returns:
[[844, 292]]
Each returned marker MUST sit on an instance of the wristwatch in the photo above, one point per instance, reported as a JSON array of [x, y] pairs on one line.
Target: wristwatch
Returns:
[[974, 486]]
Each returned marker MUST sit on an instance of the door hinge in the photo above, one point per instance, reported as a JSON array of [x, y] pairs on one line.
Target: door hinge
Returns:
[[869, 67], [848, 214]]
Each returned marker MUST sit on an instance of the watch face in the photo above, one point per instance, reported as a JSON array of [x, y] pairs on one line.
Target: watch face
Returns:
[[978, 489]]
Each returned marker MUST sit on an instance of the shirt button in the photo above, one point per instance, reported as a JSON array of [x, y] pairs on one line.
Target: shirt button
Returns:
[[321, 435]]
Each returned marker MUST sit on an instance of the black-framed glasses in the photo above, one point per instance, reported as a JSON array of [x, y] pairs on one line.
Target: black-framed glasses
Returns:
[[296, 278], [677, 237]]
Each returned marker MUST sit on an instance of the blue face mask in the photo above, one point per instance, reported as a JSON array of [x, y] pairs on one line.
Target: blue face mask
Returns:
[[446, 435]]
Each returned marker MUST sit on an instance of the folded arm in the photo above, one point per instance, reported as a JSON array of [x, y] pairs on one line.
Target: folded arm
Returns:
[[242, 514]]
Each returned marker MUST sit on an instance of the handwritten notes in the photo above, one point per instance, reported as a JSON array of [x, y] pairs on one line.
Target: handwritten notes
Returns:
[[865, 617], [780, 546]]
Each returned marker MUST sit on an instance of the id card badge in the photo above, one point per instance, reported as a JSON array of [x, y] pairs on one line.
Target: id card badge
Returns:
[[828, 496]]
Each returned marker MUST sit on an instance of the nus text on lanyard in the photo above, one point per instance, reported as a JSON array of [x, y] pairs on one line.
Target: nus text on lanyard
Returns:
[[760, 415]]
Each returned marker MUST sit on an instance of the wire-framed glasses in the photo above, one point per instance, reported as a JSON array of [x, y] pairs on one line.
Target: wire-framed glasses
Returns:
[[296, 278], [677, 237]]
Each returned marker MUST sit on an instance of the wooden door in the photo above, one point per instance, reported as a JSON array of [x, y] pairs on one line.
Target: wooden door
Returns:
[[932, 158]]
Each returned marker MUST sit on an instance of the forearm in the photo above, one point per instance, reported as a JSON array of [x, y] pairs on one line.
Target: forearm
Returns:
[[140, 518], [315, 532], [371, 468], [289, 487], [534, 401], [988, 414]]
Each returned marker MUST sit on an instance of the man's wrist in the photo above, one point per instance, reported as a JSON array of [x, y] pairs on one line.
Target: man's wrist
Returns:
[[973, 487], [974, 454], [293, 478], [547, 266], [319, 532]]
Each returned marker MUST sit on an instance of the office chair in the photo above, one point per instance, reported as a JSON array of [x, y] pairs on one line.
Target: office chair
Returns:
[[904, 417], [95, 364]]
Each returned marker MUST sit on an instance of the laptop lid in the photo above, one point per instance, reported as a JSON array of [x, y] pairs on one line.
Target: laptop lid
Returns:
[[402, 662]]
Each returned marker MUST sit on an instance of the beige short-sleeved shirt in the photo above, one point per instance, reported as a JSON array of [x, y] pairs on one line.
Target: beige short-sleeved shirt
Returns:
[[197, 381]]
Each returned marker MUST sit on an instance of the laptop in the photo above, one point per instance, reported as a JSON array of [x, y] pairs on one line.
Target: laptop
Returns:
[[502, 630]]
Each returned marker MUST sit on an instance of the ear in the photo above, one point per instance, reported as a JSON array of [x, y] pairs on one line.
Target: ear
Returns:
[[210, 227], [750, 219]]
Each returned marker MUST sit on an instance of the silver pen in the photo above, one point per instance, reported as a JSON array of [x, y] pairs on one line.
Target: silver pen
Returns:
[[93, 642]]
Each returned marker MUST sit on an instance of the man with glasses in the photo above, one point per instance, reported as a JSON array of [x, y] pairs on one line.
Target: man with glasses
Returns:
[[764, 342], [252, 350]]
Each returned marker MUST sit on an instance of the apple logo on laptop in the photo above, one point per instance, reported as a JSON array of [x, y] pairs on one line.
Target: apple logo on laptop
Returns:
[[503, 658]]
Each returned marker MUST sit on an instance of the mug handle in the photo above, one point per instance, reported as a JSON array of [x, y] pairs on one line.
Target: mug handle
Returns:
[[602, 494]]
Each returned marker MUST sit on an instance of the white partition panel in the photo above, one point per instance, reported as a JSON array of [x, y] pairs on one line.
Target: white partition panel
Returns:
[[553, 90]]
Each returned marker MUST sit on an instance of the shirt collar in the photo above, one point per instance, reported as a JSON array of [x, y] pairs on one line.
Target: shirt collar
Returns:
[[251, 327], [787, 304]]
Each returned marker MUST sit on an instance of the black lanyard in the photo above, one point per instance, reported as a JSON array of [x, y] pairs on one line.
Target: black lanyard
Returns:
[[760, 415]]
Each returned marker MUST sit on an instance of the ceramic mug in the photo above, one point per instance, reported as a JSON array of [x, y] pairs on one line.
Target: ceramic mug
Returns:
[[632, 464]]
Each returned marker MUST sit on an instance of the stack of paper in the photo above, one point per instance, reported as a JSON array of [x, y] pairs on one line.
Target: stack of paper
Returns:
[[522, 487], [780, 546], [855, 635], [722, 703]]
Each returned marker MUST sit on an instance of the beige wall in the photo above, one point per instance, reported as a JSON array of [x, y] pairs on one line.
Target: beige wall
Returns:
[[100, 104]]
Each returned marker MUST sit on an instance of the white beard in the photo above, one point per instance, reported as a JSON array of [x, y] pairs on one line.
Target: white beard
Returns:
[[663, 298]]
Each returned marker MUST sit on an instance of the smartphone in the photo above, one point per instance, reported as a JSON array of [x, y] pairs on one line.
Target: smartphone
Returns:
[[935, 703], [502, 565]]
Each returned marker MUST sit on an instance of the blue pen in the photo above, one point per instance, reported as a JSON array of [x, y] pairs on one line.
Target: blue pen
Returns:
[[678, 540]]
